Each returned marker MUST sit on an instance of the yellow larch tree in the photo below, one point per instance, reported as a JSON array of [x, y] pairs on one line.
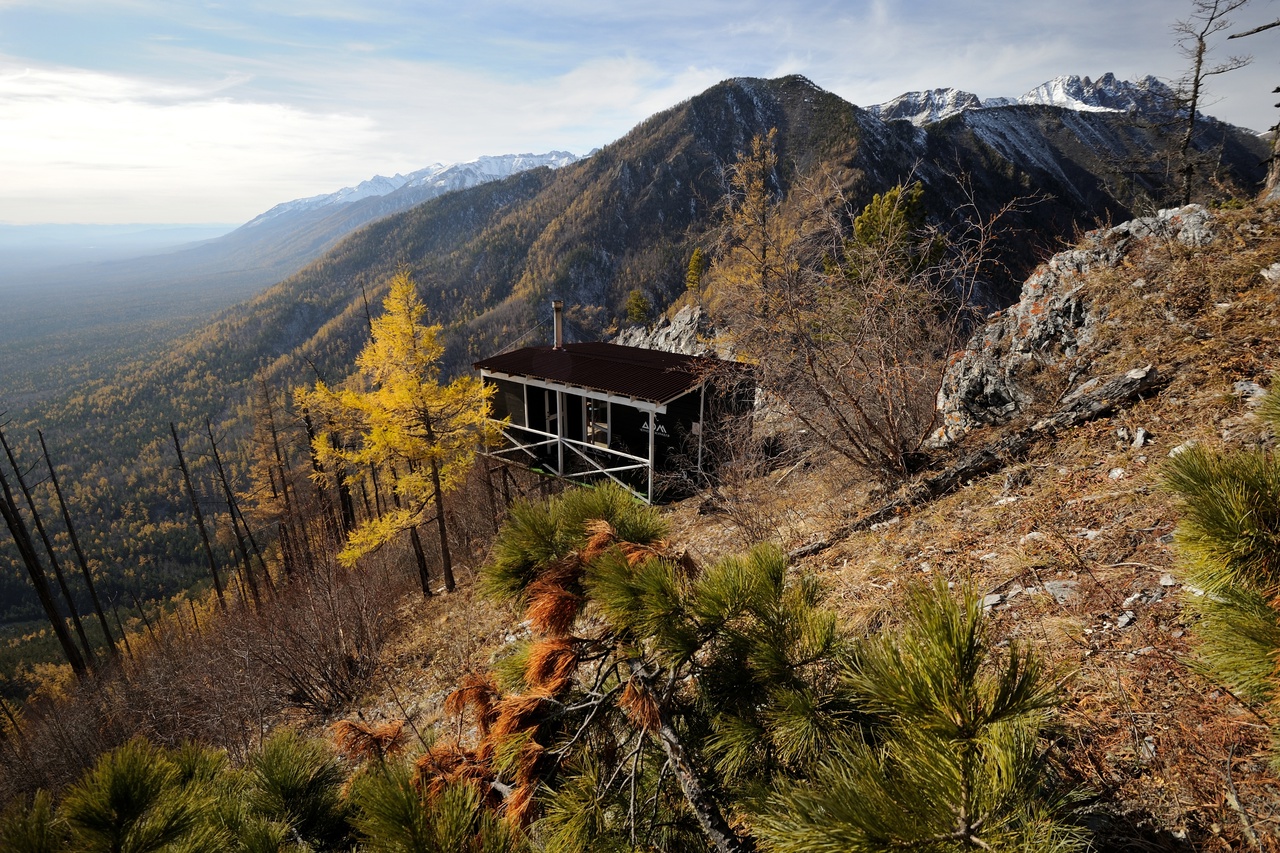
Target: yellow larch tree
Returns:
[[397, 415]]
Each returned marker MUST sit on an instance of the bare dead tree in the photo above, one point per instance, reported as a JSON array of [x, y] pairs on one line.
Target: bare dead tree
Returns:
[[1273, 162], [22, 538], [229, 496], [865, 307], [195, 508], [294, 543], [79, 551], [67, 597], [1207, 19]]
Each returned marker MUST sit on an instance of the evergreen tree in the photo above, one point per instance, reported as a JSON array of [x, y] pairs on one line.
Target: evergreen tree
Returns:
[[392, 815], [33, 828], [298, 783], [669, 706], [638, 307], [661, 696], [402, 417], [952, 762], [1229, 544], [693, 276], [137, 799]]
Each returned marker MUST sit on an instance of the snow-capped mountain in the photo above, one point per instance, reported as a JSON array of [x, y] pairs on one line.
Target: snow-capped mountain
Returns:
[[1106, 94], [922, 108], [438, 176]]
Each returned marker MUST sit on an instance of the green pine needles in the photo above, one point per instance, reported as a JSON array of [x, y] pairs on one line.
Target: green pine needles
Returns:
[[391, 816], [673, 706], [950, 758], [1229, 544], [661, 705]]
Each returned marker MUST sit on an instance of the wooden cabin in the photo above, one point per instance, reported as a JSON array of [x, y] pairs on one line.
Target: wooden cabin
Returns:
[[587, 411]]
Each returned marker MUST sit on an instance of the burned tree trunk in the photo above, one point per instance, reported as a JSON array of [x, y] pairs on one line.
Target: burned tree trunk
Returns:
[[195, 508], [48, 549], [235, 523], [79, 552], [9, 511]]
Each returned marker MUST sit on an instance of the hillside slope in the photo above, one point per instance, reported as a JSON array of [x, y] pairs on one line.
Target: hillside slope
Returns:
[[1072, 542], [489, 259], [1068, 540]]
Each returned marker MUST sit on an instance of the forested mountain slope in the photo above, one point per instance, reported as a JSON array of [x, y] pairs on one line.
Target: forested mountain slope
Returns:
[[628, 217], [1077, 682], [488, 259]]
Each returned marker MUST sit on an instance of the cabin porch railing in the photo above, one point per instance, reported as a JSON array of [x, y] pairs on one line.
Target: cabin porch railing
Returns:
[[537, 438]]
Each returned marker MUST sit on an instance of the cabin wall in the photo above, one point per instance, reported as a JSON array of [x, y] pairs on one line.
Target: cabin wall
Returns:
[[618, 426]]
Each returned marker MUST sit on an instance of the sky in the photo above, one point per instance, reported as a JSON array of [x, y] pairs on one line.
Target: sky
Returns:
[[171, 111]]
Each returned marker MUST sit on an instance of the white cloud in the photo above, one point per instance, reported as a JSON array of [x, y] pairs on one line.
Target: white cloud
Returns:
[[218, 111], [67, 136]]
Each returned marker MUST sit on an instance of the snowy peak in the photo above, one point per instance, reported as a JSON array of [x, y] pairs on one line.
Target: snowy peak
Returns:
[[922, 108], [1106, 94], [462, 175], [437, 176]]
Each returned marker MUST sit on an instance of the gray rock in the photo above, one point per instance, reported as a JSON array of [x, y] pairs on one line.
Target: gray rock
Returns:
[[1146, 596], [1063, 592], [1053, 321], [1252, 392], [685, 333], [1272, 273]]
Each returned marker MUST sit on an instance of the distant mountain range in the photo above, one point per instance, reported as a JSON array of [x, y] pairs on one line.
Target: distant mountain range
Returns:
[[106, 274], [1147, 96], [626, 218], [416, 187]]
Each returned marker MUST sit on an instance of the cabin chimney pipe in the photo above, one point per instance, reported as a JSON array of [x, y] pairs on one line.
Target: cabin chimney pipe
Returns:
[[558, 307]]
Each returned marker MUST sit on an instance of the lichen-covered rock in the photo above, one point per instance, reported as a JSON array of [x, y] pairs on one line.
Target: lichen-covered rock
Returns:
[[1052, 321]]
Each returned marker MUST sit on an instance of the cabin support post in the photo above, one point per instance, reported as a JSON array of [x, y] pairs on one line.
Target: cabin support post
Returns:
[[560, 419], [653, 425], [702, 421]]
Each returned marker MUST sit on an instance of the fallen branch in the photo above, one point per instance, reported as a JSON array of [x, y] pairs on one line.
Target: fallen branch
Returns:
[[1084, 405]]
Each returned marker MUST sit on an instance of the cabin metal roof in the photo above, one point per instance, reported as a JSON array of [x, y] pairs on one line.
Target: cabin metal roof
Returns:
[[634, 372]]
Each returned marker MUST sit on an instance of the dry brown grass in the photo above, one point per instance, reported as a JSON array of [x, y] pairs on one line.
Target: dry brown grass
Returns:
[[1179, 763]]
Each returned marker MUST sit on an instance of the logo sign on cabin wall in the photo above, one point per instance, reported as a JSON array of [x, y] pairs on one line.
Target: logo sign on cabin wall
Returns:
[[659, 429]]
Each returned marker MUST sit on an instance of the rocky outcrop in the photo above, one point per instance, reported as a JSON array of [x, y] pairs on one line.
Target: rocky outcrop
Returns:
[[1053, 321], [688, 332]]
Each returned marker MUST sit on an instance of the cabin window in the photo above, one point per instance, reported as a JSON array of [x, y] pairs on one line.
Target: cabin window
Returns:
[[508, 401]]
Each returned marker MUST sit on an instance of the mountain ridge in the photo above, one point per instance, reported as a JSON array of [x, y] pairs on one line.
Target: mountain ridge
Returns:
[[1069, 91], [437, 176]]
